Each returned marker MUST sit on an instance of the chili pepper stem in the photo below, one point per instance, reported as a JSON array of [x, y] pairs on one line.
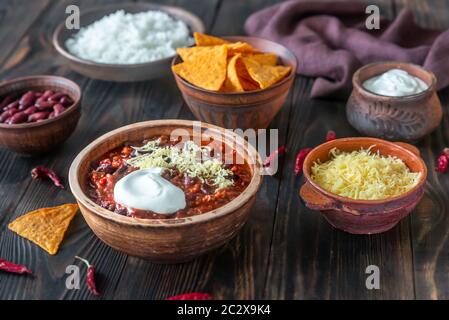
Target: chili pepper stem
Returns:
[[83, 260]]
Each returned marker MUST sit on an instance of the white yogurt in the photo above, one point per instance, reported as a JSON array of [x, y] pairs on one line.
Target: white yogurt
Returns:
[[145, 189], [395, 83]]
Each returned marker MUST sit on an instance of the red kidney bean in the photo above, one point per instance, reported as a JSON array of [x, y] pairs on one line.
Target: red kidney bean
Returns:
[[5, 118], [18, 118], [65, 101], [23, 107], [27, 99], [56, 96], [40, 99], [45, 105], [47, 94], [33, 106], [14, 104], [7, 114], [58, 109], [30, 110], [42, 115], [6, 100]]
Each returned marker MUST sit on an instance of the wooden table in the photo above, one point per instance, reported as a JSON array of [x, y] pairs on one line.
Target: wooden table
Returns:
[[285, 251]]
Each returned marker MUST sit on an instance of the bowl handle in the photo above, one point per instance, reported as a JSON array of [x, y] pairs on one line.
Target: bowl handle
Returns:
[[409, 147], [314, 200]]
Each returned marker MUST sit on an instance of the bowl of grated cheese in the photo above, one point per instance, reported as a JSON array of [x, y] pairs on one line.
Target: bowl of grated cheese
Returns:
[[126, 42], [363, 185]]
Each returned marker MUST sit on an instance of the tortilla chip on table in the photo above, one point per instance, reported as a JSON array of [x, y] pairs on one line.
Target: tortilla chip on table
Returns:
[[45, 227]]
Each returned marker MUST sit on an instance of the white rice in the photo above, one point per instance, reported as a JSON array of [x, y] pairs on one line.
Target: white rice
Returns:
[[125, 38]]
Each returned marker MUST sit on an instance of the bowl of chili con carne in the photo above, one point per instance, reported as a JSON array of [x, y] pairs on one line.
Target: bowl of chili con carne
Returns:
[[215, 209]]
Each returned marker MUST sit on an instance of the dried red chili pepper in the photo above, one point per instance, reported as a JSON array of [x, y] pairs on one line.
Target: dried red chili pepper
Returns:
[[300, 159], [446, 152], [331, 135], [442, 163], [91, 284], [41, 172], [275, 153], [192, 296], [13, 268]]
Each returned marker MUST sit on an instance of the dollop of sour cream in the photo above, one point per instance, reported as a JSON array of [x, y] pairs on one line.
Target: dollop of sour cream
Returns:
[[145, 189], [395, 83]]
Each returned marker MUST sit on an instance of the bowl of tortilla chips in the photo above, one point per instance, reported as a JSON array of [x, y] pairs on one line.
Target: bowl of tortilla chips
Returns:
[[234, 82]]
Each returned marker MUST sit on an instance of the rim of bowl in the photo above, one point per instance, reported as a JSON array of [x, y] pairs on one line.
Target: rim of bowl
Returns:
[[236, 203], [342, 199], [75, 106], [356, 81], [277, 84], [61, 49]]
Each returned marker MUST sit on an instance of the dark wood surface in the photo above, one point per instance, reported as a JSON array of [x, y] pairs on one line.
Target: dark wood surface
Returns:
[[285, 251]]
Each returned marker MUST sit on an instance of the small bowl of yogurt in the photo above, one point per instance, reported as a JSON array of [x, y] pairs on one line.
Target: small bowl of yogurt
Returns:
[[394, 101]]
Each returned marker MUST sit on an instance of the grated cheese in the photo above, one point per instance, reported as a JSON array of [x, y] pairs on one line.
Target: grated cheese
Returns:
[[186, 159], [364, 175]]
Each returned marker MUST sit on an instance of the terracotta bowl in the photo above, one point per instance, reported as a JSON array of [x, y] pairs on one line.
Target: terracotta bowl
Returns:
[[363, 216], [121, 72], [407, 118], [164, 240], [243, 110], [38, 137]]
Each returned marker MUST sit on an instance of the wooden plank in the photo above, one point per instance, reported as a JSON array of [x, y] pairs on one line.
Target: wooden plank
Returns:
[[311, 260], [430, 223], [11, 13]]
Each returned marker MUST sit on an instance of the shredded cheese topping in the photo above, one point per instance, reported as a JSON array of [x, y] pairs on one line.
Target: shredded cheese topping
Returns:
[[364, 175], [187, 159]]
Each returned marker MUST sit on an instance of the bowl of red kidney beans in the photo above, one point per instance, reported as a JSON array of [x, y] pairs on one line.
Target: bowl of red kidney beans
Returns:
[[38, 113]]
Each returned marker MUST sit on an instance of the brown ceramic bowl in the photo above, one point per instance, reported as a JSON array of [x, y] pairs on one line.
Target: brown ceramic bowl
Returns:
[[163, 240], [121, 72], [363, 216], [241, 110], [38, 137], [406, 118]]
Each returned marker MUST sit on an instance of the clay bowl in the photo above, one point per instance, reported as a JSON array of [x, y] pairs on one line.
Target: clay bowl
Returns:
[[240, 110], [121, 72], [38, 137], [363, 216], [407, 118], [164, 240]]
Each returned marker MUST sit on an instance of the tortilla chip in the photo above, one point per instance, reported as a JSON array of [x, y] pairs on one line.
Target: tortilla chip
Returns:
[[246, 81], [205, 70], [206, 40], [232, 82], [265, 75], [269, 59], [189, 54], [46, 226], [240, 47]]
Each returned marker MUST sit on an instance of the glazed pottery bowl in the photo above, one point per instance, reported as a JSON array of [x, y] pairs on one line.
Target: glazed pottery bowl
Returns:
[[363, 216], [164, 240], [121, 72], [39, 137], [241, 110], [407, 118]]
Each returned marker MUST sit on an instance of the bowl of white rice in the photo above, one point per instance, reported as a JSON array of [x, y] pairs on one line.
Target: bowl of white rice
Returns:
[[126, 42]]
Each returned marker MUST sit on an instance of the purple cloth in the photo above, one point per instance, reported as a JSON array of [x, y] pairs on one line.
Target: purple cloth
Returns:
[[330, 41]]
